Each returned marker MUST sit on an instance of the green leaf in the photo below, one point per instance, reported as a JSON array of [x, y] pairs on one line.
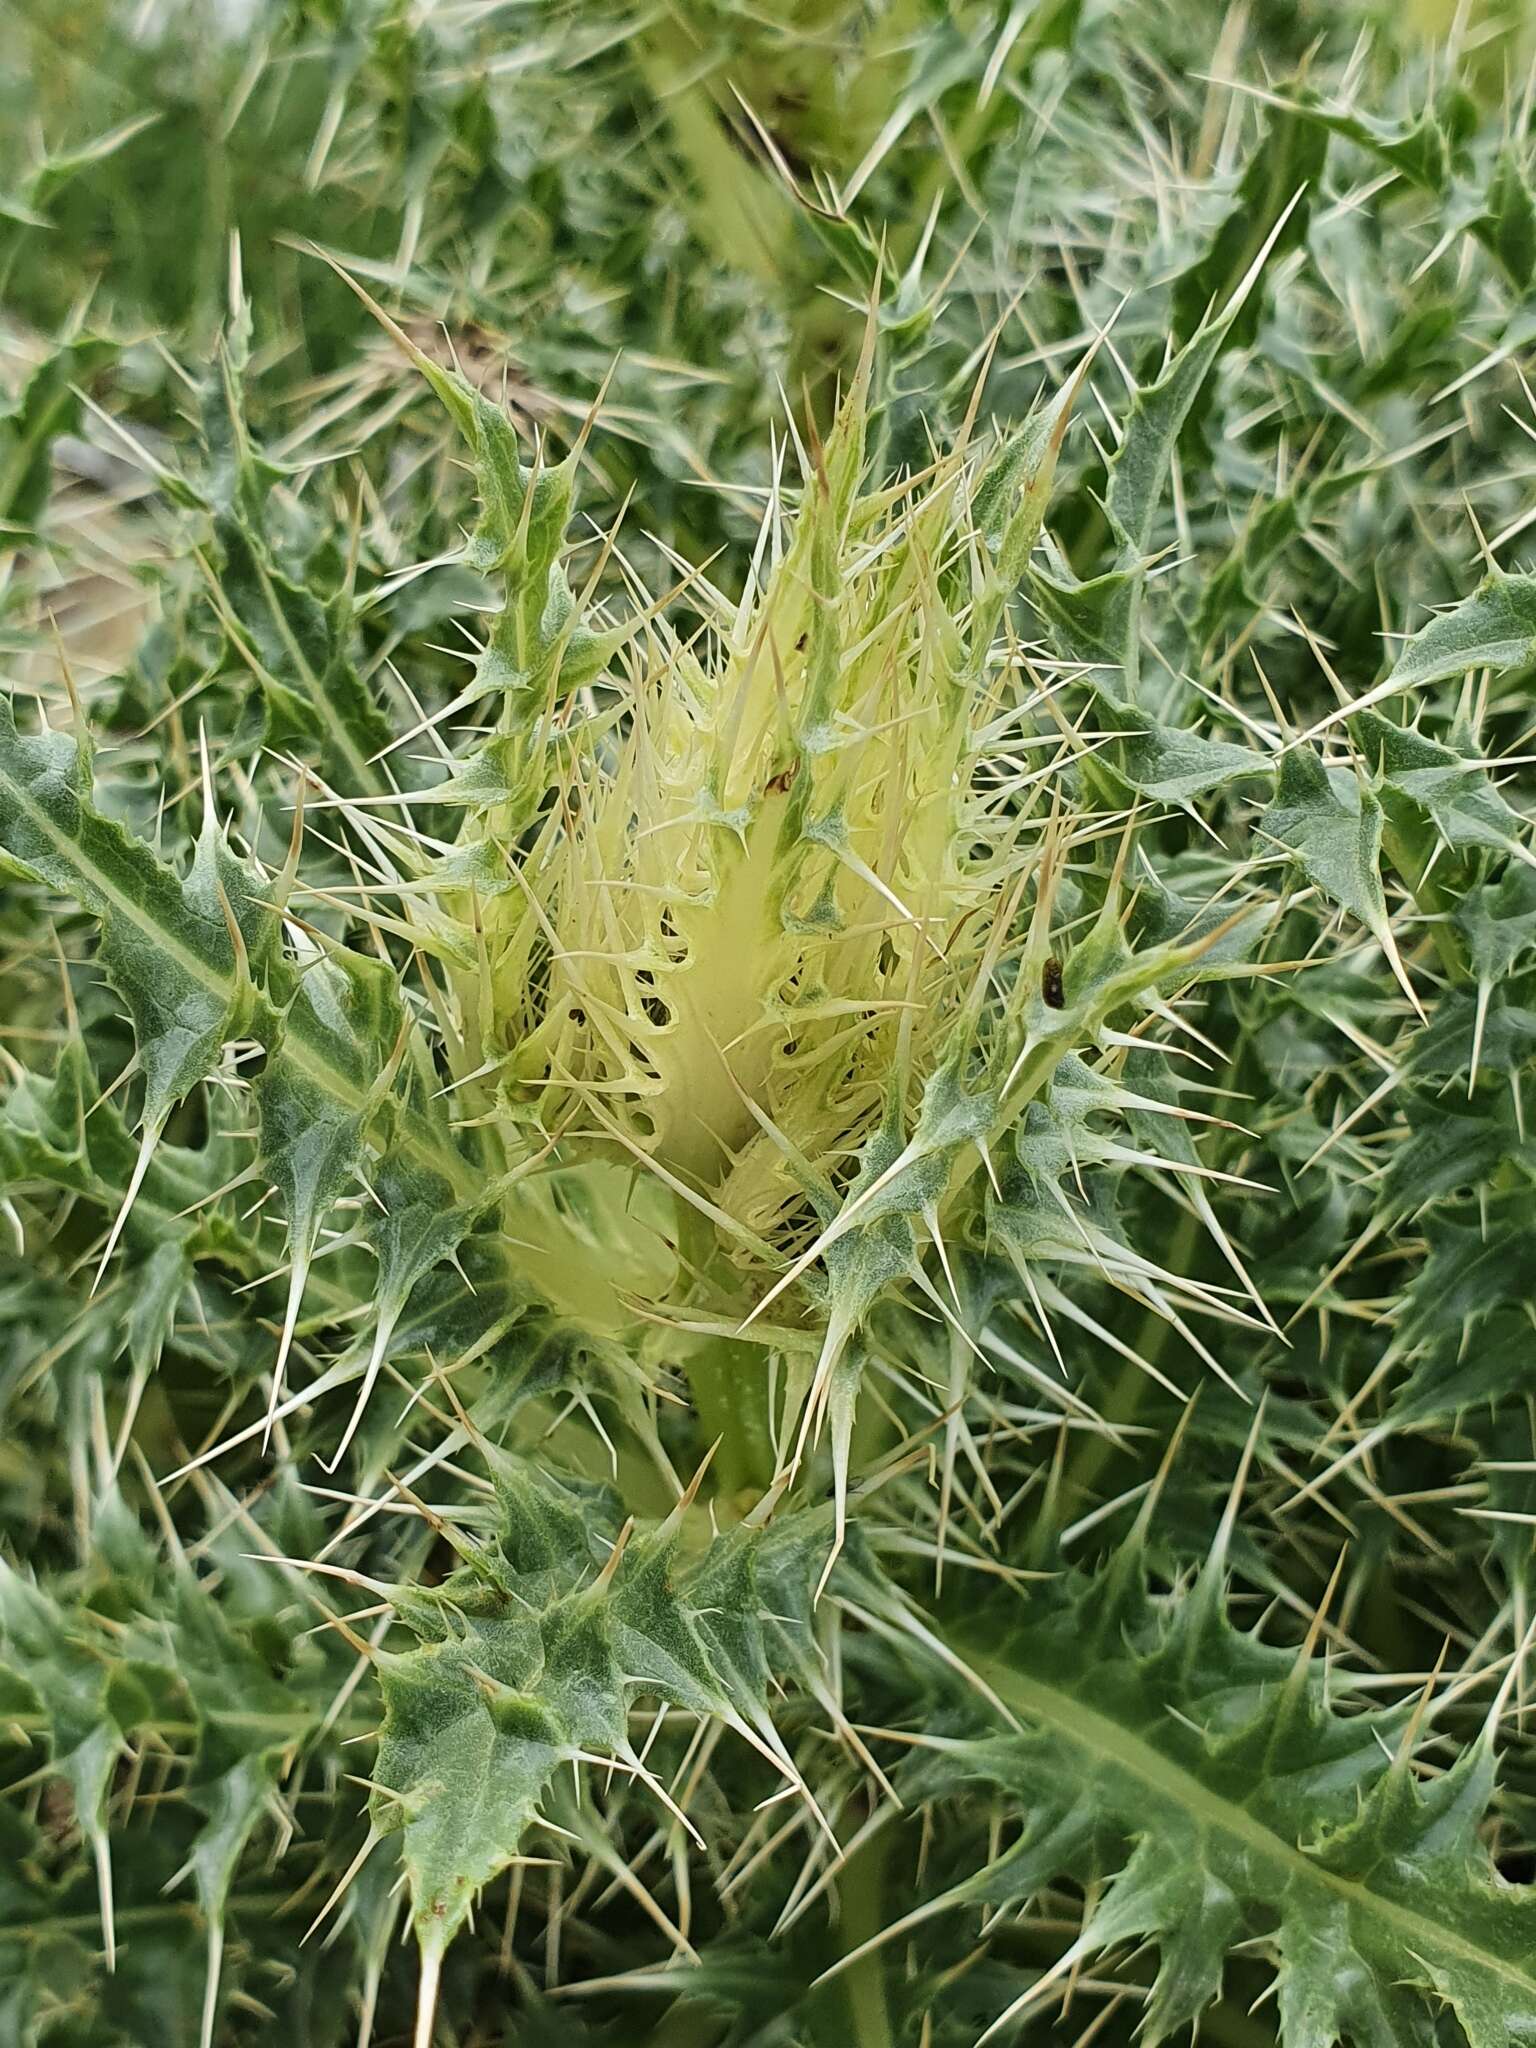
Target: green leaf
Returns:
[[531, 1653], [1493, 628], [1099, 619], [1169, 763], [1288, 160], [66, 1134], [245, 1723], [297, 642], [1507, 224], [169, 950], [1424, 781], [1446, 1152], [1499, 923], [1140, 465], [158, 1288], [72, 1681], [416, 1226], [1422, 149], [181, 990], [538, 642], [1332, 823], [1245, 1806]]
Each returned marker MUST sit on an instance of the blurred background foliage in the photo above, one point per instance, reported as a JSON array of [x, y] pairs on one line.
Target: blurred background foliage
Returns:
[[694, 200]]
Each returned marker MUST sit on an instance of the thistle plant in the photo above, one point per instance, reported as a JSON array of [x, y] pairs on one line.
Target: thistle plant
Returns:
[[782, 1296]]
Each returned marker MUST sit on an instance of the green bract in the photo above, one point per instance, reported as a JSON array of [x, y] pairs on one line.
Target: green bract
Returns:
[[768, 1197]]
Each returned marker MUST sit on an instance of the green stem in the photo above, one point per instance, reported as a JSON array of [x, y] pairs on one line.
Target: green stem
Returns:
[[728, 1381], [863, 1914], [1435, 902], [741, 215], [26, 1727], [270, 1904], [729, 1385]]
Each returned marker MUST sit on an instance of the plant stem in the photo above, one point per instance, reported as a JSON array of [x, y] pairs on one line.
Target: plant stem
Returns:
[[269, 1904], [729, 1385], [741, 214], [727, 1380], [1435, 902], [863, 1915]]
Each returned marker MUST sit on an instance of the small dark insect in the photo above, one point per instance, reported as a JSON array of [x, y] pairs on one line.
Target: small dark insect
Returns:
[[1050, 984], [800, 642], [779, 785]]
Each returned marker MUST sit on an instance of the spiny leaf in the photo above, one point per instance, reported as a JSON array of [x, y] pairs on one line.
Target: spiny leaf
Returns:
[[169, 949], [1493, 628], [1332, 823], [1435, 783], [531, 1653], [1197, 1747]]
